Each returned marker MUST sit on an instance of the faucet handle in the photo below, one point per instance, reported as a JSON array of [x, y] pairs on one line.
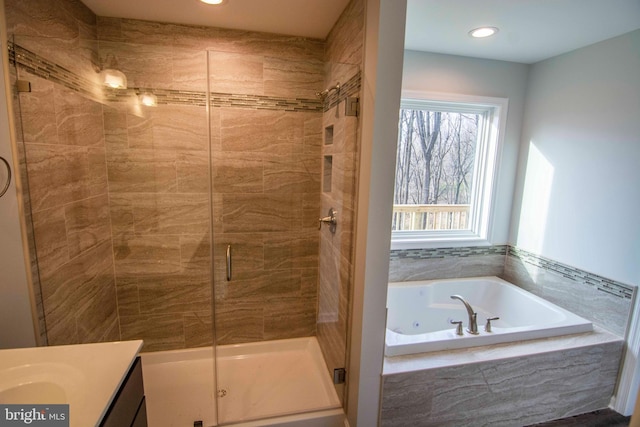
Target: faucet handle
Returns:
[[487, 327], [459, 327]]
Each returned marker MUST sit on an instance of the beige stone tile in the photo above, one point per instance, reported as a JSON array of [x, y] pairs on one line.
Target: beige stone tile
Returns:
[[264, 285], [140, 131], [37, 111], [159, 332], [198, 329], [113, 331], [298, 173], [180, 127], [239, 322], [140, 256], [109, 29], [127, 296], [313, 133], [192, 172], [291, 250], [311, 211], [96, 316], [121, 212], [289, 318], [173, 294], [62, 174], [40, 17], [261, 212], [171, 213], [236, 73], [87, 223], [189, 69], [79, 119], [142, 170], [145, 32], [235, 172], [72, 288], [115, 128], [267, 131], [51, 244], [344, 44], [195, 255], [147, 66], [292, 79]]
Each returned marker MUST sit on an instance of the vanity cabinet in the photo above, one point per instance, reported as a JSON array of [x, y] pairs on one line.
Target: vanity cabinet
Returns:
[[128, 408]]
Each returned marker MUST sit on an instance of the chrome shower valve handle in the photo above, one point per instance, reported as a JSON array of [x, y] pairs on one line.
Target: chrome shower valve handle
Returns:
[[330, 219]]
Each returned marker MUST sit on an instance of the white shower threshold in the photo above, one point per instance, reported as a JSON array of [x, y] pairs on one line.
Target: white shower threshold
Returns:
[[283, 382]]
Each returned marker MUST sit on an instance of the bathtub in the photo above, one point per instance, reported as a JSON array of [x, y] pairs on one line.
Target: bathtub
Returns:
[[419, 315]]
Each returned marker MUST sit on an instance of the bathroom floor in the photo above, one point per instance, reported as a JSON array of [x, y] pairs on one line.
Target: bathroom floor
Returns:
[[603, 418]]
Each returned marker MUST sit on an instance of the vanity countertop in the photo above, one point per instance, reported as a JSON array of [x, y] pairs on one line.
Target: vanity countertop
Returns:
[[86, 376]]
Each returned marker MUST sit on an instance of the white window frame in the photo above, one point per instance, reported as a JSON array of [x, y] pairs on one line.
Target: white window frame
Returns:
[[488, 154]]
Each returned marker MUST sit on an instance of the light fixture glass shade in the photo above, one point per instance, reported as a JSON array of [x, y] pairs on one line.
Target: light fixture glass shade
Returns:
[[148, 99], [483, 32], [113, 78]]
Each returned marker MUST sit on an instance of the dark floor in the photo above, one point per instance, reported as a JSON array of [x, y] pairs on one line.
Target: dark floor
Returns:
[[603, 418]]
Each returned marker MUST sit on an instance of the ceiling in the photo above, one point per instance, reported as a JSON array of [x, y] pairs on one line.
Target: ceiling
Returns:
[[530, 30], [306, 18]]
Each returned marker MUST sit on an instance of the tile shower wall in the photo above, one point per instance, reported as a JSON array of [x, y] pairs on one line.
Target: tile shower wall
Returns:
[[340, 151], [147, 178], [265, 184], [63, 153]]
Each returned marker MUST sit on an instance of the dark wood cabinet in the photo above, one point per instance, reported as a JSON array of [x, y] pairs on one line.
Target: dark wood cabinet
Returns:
[[128, 408]]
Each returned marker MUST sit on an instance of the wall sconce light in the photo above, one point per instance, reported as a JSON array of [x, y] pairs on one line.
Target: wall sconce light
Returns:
[[148, 99], [110, 76]]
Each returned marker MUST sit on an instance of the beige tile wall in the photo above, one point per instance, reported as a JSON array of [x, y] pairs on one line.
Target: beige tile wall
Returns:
[[131, 185], [343, 57]]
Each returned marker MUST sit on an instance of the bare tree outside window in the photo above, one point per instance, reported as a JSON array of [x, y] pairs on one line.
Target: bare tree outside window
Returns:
[[434, 169]]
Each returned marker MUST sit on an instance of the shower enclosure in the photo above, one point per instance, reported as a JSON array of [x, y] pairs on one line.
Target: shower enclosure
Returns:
[[184, 209]]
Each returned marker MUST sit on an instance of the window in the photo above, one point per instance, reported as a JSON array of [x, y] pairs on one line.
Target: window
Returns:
[[446, 169]]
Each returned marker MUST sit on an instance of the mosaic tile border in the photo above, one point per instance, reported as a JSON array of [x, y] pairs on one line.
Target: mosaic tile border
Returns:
[[41, 67], [603, 284], [434, 253], [350, 88]]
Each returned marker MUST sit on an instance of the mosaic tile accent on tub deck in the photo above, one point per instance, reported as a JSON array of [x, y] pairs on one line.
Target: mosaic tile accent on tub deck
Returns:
[[603, 284], [447, 252], [48, 70]]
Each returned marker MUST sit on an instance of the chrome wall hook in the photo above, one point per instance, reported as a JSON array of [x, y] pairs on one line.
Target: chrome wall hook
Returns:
[[330, 219]]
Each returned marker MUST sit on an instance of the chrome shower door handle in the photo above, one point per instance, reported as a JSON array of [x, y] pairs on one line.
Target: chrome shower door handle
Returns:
[[228, 263], [5, 187]]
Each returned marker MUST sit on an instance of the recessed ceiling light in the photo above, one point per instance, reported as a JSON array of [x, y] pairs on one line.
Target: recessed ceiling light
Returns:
[[214, 1], [483, 32]]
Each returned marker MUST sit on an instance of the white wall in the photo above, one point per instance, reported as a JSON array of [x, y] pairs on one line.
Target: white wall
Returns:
[[16, 321], [384, 45], [578, 192], [432, 72]]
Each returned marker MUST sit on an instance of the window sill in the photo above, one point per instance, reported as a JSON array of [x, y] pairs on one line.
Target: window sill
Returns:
[[415, 242]]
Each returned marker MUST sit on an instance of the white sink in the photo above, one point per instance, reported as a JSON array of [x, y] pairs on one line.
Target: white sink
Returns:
[[34, 393], [85, 376]]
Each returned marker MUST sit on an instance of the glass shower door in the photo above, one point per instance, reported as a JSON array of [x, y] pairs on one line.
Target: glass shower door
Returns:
[[267, 168]]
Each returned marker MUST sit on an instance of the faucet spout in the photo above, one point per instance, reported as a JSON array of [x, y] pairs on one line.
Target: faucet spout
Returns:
[[473, 316]]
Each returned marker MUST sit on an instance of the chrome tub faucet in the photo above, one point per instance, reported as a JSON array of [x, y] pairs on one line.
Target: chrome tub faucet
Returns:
[[473, 317]]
